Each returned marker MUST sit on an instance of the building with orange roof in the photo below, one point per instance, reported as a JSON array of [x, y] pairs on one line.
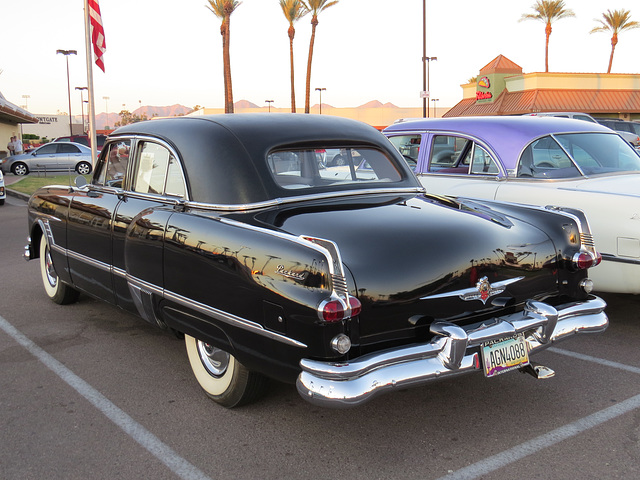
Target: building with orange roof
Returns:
[[502, 88]]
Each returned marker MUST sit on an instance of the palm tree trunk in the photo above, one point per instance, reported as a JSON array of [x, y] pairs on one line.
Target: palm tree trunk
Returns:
[[292, 33], [614, 42], [226, 60], [546, 47], [314, 23]]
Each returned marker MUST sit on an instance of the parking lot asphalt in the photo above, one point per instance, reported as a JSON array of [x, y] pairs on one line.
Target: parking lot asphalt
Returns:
[[88, 391]]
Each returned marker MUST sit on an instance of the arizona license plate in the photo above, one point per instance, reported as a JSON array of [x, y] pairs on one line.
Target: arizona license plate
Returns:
[[500, 356]]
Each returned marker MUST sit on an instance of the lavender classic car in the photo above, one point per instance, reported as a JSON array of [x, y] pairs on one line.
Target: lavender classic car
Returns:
[[538, 161], [347, 280]]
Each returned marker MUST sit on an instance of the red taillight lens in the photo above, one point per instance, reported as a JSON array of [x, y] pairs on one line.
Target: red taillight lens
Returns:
[[356, 306], [332, 311], [583, 260]]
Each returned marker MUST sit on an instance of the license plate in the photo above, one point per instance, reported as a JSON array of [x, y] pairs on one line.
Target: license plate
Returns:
[[500, 356]]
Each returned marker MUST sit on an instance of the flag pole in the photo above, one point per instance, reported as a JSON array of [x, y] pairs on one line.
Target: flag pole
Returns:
[[92, 115]]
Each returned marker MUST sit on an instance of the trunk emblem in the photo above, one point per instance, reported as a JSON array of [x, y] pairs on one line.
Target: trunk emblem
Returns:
[[482, 291]]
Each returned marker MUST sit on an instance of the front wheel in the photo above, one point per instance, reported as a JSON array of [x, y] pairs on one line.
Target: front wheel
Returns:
[[225, 380], [56, 290], [83, 168], [20, 169]]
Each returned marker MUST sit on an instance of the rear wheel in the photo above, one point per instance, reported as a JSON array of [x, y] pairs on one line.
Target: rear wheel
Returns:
[[225, 380], [83, 168], [20, 169], [56, 290]]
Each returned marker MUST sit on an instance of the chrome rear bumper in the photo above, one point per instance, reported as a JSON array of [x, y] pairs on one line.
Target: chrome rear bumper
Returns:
[[453, 350]]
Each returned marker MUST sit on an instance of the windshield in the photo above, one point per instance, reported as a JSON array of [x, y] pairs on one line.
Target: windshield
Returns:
[[303, 169], [568, 155]]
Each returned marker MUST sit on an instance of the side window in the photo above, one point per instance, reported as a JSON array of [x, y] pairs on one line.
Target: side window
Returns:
[[544, 158], [482, 162], [157, 171], [408, 146], [49, 149], [67, 148], [113, 165], [450, 154], [175, 180]]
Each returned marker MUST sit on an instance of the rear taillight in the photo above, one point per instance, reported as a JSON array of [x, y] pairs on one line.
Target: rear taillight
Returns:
[[334, 310], [585, 260]]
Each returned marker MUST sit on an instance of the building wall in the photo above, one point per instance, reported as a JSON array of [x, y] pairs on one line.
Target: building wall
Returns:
[[52, 126]]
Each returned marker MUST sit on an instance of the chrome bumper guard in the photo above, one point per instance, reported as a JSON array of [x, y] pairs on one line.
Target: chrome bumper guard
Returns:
[[453, 350]]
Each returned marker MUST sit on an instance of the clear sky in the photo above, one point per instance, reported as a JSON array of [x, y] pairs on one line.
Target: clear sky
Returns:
[[162, 52]]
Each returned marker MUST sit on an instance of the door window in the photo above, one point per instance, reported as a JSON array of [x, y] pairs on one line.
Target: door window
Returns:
[[48, 149], [157, 171], [112, 168]]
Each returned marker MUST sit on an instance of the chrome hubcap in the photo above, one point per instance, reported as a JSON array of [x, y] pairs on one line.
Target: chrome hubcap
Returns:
[[214, 360], [50, 272]]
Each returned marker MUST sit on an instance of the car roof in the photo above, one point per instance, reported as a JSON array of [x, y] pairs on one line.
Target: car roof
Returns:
[[215, 148], [506, 135]]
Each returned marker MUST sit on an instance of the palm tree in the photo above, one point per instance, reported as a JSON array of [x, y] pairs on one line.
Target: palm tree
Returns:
[[223, 9], [315, 7], [293, 11], [615, 22], [548, 11]]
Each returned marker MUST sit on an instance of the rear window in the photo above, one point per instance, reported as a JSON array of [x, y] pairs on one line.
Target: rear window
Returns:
[[312, 168], [560, 156]]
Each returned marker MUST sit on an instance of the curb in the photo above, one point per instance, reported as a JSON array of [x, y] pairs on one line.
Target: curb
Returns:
[[20, 195]]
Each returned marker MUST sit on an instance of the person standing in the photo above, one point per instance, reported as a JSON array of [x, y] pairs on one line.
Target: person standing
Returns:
[[17, 146], [11, 147]]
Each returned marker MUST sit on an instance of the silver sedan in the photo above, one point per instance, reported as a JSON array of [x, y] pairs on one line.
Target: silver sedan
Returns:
[[52, 157]]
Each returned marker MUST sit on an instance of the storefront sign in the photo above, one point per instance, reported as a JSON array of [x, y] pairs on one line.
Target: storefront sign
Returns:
[[483, 95], [47, 120]]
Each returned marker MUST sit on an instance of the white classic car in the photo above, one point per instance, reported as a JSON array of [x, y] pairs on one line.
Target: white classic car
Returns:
[[539, 161]]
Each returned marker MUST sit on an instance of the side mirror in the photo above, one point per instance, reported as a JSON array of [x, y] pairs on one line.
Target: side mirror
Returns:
[[80, 181]]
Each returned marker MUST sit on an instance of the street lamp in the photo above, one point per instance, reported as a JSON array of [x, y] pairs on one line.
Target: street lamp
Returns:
[[426, 61], [26, 101], [320, 90], [269, 102], [106, 104], [66, 53], [434, 100], [82, 89]]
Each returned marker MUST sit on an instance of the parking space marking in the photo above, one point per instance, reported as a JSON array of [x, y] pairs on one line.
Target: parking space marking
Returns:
[[502, 459], [136, 431], [601, 361]]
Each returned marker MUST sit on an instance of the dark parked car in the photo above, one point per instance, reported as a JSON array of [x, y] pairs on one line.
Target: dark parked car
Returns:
[[348, 280]]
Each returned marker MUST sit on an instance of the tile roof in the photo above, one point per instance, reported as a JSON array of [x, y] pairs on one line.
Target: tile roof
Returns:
[[551, 100]]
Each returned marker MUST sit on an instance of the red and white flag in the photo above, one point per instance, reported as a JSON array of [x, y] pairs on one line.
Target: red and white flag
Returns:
[[97, 32]]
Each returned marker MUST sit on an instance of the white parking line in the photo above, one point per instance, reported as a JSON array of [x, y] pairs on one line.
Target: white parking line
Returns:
[[502, 459], [137, 432]]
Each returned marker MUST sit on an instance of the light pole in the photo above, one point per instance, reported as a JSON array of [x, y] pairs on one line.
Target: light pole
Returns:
[[269, 102], [26, 101], [82, 89], [66, 53], [434, 100], [320, 90], [106, 105], [427, 60]]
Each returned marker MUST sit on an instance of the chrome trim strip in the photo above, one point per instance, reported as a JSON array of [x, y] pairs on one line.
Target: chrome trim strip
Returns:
[[452, 351], [613, 258], [91, 261], [304, 198], [230, 319]]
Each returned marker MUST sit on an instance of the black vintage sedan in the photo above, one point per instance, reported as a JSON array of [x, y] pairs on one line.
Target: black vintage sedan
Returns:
[[348, 280]]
